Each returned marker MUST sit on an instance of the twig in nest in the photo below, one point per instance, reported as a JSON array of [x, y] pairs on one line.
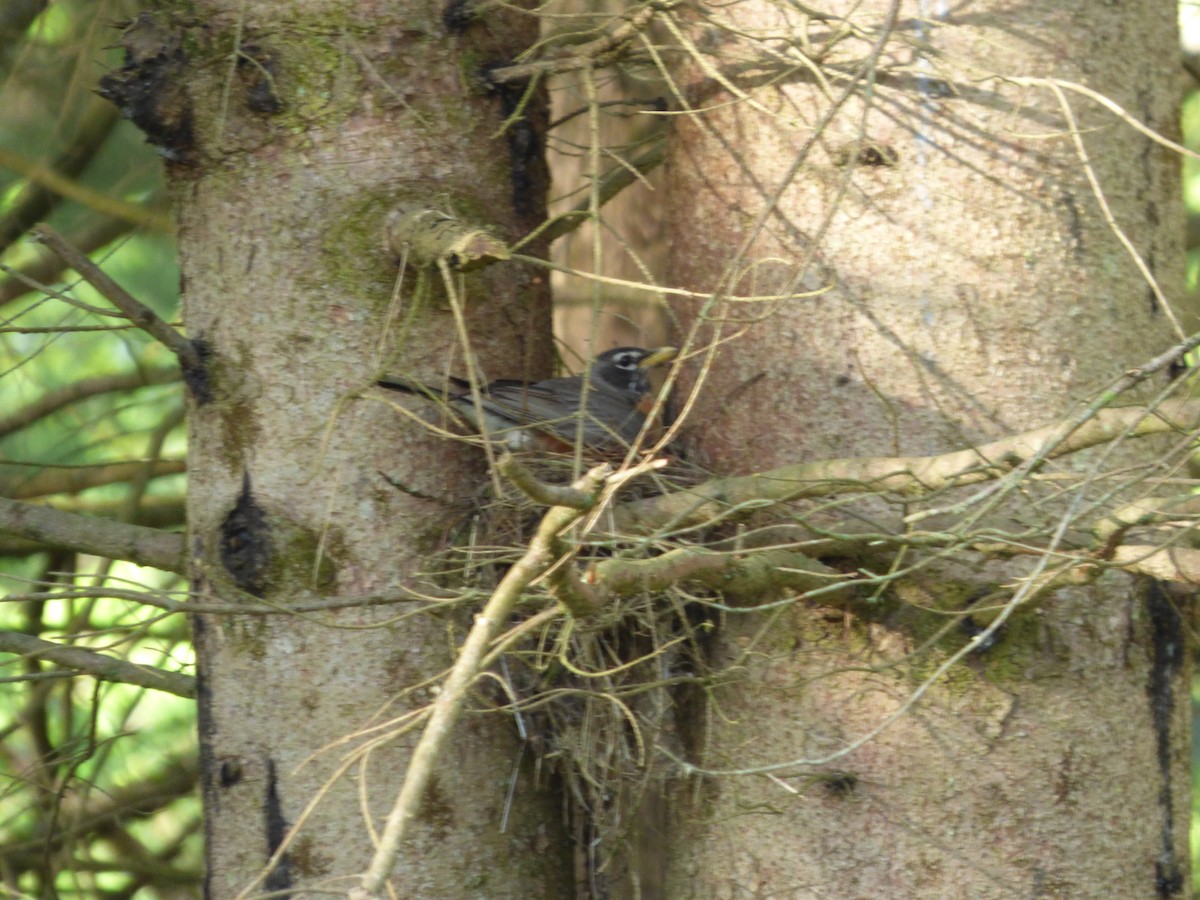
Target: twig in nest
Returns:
[[540, 491], [535, 563]]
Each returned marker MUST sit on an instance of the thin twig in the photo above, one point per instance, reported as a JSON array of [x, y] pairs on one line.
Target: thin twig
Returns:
[[139, 313]]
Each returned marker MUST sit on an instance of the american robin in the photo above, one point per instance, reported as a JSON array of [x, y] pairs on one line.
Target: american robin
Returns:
[[546, 414]]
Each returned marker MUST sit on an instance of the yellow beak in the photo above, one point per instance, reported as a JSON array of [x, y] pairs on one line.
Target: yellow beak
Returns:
[[658, 356]]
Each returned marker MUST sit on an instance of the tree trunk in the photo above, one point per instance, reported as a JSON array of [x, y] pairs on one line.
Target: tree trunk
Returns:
[[972, 289], [309, 126]]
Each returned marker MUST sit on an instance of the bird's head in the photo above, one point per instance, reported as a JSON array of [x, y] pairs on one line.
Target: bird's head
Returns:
[[628, 368]]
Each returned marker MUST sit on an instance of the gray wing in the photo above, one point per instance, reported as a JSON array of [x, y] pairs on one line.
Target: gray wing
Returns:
[[612, 419]]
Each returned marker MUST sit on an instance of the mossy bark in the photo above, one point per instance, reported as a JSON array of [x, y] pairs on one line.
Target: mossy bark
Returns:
[[310, 122]]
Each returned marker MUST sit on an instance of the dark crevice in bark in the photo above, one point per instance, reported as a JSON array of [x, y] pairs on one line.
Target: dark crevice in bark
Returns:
[[1166, 649], [206, 732], [527, 168], [279, 882]]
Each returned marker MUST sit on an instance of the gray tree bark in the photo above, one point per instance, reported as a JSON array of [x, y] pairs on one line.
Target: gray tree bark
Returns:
[[310, 124], [969, 287]]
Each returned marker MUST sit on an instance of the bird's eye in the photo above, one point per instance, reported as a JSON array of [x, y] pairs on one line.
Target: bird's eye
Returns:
[[627, 360]]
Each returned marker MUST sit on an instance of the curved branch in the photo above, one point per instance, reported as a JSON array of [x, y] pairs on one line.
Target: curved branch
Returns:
[[540, 491]]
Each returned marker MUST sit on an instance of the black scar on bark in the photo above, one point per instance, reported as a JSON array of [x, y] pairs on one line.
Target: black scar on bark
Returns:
[[246, 542], [149, 87], [279, 881], [259, 69], [1167, 646]]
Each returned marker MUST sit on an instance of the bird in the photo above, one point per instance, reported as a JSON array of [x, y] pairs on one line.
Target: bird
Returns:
[[545, 415]]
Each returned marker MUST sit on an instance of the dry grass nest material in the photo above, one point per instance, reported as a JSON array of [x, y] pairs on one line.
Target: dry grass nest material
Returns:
[[591, 699]]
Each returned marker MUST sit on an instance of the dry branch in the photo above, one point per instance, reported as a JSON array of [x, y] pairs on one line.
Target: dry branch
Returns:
[[87, 812], [46, 267], [1174, 512], [603, 51], [749, 574], [908, 476], [104, 668], [70, 189], [540, 491], [1166, 563], [84, 534], [72, 479], [52, 401], [611, 183]]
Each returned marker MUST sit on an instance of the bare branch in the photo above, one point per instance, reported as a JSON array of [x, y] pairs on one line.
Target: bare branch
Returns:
[[84, 534], [752, 573], [69, 188], [88, 812], [612, 183], [1167, 563], [602, 51], [52, 401], [540, 491], [46, 267], [105, 668], [70, 479], [910, 476]]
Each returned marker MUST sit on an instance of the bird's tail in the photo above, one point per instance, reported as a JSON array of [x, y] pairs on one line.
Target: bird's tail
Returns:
[[396, 383], [453, 389]]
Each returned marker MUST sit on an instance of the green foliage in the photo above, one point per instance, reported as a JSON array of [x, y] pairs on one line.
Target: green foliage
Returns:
[[1190, 122], [97, 777]]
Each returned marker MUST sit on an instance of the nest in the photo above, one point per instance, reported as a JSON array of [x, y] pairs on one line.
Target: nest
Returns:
[[593, 698]]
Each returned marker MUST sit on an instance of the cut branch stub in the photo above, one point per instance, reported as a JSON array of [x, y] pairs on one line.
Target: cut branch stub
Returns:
[[427, 236]]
